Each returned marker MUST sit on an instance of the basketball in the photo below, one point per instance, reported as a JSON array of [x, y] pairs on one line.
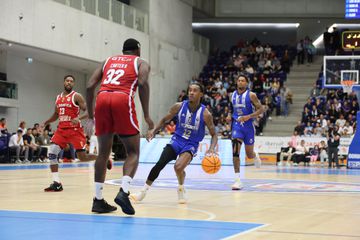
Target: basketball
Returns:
[[211, 164]]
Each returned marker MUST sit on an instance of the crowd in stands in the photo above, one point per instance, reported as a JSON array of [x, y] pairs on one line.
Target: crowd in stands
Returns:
[[266, 67]]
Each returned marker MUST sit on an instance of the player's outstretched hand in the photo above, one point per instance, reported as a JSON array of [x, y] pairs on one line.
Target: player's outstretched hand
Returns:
[[89, 127], [210, 152], [150, 135]]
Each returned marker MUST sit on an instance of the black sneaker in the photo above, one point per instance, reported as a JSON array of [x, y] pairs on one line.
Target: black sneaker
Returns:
[[122, 199], [101, 206], [54, 187]]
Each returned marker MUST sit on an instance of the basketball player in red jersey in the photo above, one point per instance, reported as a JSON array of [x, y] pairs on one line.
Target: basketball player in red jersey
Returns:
[[115, 114], [67, 109]]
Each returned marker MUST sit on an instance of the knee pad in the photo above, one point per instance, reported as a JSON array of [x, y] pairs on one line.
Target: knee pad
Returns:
[[54, 151]]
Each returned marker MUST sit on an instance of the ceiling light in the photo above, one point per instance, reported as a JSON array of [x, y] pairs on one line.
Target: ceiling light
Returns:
[[239, 25], [29, 59]]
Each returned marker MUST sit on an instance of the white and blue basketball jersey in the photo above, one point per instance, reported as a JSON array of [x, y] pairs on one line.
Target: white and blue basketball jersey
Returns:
[[242, 105], [190, 125]]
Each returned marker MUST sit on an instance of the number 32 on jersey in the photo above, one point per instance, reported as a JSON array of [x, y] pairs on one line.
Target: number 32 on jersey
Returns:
[[113, 76]]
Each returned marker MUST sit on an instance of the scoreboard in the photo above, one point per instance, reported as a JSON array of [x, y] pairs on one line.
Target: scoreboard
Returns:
[[352, 9]]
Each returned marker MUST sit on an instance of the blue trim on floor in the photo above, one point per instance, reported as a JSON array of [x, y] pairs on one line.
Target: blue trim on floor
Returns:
[[46, 166], [19, 225], [315, 170]]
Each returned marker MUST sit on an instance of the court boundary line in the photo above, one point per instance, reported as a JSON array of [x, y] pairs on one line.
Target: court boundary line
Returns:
[[245, 232]]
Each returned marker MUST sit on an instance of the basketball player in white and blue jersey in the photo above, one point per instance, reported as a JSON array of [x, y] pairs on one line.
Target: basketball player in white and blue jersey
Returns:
[[245, 107], [192, 117]]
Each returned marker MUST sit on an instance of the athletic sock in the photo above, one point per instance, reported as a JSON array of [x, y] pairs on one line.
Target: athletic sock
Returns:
[[125, 183], [98, 190], [55, 176]]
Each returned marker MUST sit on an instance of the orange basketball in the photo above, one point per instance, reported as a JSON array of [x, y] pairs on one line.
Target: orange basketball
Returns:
[[211, 164]]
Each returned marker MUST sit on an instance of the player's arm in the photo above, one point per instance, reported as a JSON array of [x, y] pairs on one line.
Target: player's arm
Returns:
[[90, 90], [259, 109], [80, 101], [231, 108], [210, 125], [144, 90], [53, 118], [170, 115]]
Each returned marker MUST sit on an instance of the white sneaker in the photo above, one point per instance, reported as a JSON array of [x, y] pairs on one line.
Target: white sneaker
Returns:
[[138, 197], [279, 164], [237, 185], [18, 161], [295, 164], [26, 161], [181, 195], [257, 160], [288, 164]]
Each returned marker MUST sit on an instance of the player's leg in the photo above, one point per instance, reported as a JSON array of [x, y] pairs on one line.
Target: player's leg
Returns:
[[78, 141], [105, 145], [167, 156], [132, 146], [179, 167], [56, 186], [236, 144], [249, 139]]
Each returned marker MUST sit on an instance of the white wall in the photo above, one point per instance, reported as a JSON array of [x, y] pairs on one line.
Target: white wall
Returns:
[[171, 52], [35, 29], [168, 47], [38, 85]]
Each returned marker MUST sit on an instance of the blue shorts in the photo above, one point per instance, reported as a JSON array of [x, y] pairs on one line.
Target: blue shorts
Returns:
[[181, 145], [244, 132]]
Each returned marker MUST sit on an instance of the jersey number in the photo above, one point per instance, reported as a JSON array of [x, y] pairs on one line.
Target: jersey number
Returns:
[[187, 133], [113, 76], [61, 111]]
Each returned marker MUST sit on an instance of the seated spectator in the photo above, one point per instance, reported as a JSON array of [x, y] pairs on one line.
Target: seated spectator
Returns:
[[347, 130], [34, 149], [341, 121], [39, 140], [318, 130], [308, 132], [286, 152], [314, 155], [16, 144], [299, 154]]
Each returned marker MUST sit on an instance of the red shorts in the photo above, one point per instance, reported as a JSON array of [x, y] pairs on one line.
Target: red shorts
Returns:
[[74, 136], [115, 113]]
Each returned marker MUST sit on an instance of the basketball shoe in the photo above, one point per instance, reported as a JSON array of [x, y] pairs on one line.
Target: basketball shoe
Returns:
[[237, 184], [122, 199], [181, 195], [54, 187], [101, 206]]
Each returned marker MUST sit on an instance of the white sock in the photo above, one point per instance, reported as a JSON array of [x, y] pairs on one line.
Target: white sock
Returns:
[[55, 176], [181, 186], [146, 187], [98, 190], [125, 183]]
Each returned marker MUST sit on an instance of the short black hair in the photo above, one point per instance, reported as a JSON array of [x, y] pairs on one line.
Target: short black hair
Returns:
[[244, 76], [69, 75], [2, 119], [199, 85], [131, 44], [19, 131]]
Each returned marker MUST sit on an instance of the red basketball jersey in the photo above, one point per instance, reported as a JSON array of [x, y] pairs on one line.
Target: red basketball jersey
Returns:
[[67, 110], [120, 74]]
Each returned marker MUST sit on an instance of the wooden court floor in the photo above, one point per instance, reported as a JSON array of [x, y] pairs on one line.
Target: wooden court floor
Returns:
[[288, 203]]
